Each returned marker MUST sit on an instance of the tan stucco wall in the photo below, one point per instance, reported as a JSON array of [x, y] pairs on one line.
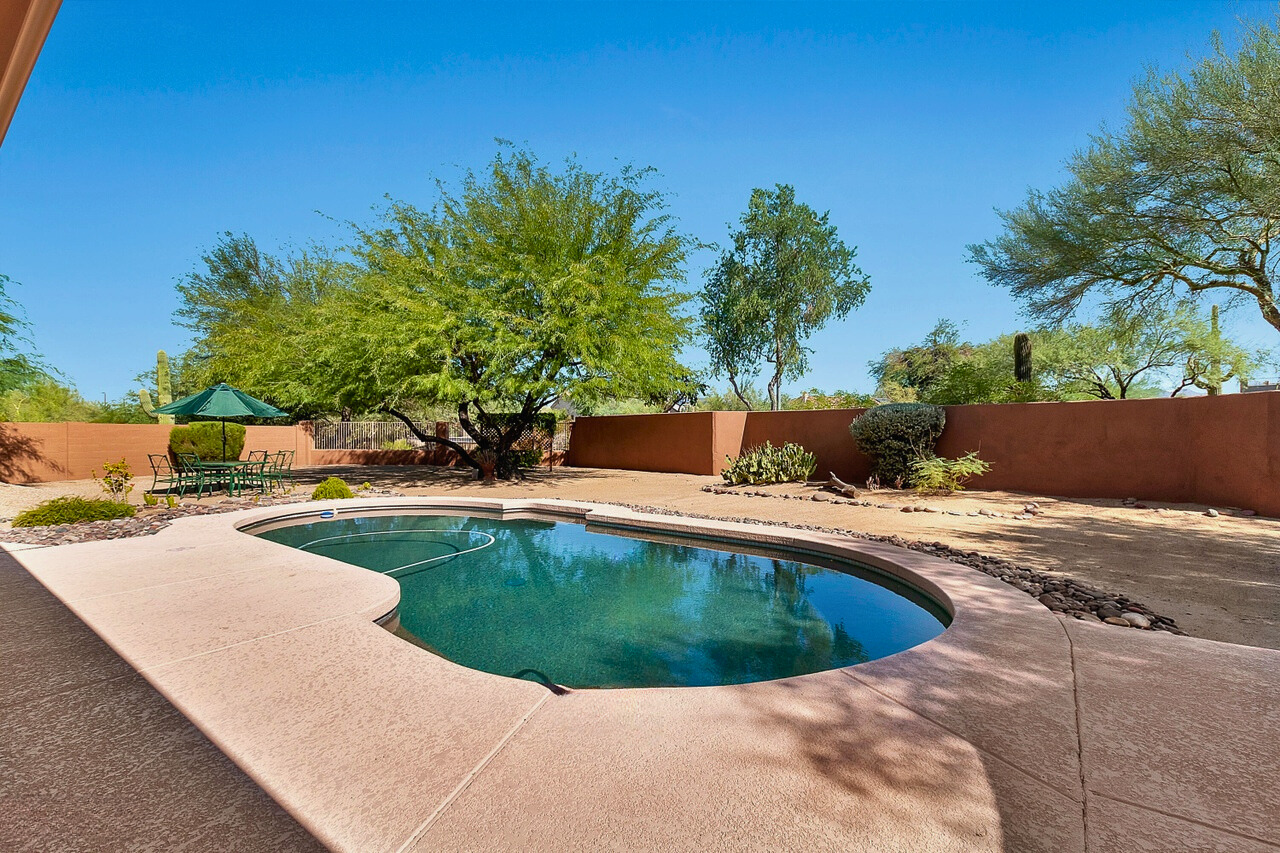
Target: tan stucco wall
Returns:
[[34, 453], [1220, 450]]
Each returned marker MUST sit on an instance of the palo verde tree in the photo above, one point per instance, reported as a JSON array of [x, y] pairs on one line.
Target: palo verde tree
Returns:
[[786, 276], [1184, 199], [525, 286]]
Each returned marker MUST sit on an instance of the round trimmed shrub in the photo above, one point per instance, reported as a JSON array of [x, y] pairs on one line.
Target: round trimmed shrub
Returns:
[[331, 489], [896, 435], [72, 510], [204, 439]]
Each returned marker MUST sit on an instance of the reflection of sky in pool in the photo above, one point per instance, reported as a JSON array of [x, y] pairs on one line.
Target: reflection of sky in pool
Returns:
[[591, 609]]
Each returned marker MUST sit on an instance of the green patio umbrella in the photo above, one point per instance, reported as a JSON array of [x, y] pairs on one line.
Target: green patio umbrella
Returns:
[[221, 402]]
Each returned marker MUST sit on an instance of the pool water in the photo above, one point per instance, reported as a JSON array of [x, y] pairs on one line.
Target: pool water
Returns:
[[558, 602]]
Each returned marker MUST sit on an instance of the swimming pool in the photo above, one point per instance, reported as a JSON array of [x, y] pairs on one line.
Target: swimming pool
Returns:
[[579, 606]]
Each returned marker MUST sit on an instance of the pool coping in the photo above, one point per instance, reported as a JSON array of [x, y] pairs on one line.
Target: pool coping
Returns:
[[273, 653]]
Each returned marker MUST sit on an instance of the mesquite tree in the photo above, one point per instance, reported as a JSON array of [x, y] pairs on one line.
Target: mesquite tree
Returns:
[[525, 286], [786, 276], [1185, 198]]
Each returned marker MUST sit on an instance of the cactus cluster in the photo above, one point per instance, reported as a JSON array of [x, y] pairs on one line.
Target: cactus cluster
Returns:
[[164, 390], [765, 463]]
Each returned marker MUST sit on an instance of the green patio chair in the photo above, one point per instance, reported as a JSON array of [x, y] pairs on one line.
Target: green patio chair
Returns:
[[164, 474], [189, 470], [284, 468], [271, 473], [258, 472]]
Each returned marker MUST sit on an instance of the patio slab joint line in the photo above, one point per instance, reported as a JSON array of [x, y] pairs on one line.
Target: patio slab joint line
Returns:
[[955, 733], [1175, 816], [197, 655], [470, 777], [1075, 699]]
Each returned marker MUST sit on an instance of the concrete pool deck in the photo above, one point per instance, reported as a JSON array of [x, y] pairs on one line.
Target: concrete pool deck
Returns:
[[1013, 730]]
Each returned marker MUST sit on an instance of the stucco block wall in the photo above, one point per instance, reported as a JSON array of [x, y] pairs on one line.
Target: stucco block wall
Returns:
[[1216, 450], [678, 443], [33, 453]]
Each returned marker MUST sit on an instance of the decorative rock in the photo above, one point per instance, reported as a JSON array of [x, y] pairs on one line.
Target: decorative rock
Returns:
[[1137, 620], [1139, 506], [1246, 513], [1212, 513], [908, 509], [1116, 620]]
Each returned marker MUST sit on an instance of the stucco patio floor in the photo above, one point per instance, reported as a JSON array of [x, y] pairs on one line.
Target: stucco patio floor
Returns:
[[1014, 730]]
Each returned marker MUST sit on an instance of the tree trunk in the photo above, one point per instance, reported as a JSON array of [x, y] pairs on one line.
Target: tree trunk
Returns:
[[733, 383], [775, 383], [434, 439], [1214, 386], [506, 435]]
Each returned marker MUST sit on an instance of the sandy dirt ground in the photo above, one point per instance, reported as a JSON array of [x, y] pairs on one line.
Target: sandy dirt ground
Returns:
[[1218, 577]]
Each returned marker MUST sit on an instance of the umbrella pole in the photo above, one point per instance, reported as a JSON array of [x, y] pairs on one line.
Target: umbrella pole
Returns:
[[224, 438]]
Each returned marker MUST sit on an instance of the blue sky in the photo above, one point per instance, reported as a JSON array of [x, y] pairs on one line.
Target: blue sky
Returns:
[[149, 128]]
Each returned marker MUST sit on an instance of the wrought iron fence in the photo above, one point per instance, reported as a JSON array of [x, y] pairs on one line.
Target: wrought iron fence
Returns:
[[366, 435]]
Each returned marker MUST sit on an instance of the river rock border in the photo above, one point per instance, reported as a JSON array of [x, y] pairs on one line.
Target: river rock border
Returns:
[[1059, 593]]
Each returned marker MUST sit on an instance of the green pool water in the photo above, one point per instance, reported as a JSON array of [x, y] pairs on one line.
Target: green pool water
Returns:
[[554, 601]]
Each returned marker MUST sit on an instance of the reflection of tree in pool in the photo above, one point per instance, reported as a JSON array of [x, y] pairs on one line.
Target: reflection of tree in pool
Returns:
[[589, 610]]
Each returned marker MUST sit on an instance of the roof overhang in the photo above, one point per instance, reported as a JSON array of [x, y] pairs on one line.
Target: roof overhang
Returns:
[[23, 27]]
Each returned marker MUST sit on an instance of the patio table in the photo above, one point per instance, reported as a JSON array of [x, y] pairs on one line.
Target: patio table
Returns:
[[234, 471]]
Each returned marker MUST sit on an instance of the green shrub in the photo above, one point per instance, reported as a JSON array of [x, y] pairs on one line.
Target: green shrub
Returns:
[[398, 444], [150, 499], [896, 435], [204, 439], [765, 463], [331, 489], [116, 480], [935, 474], [528, 458], [70, 510]]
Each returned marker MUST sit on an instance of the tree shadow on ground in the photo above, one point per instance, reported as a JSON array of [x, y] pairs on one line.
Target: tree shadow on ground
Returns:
[[1220, 578], [957, 732]]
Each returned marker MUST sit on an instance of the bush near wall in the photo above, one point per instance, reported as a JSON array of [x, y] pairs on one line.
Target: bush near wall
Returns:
[[204, 439], [896, 435]]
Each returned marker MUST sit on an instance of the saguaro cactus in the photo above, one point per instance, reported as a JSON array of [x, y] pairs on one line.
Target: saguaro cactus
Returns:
[[1210, 375], [164, 391], [1022, 357]]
